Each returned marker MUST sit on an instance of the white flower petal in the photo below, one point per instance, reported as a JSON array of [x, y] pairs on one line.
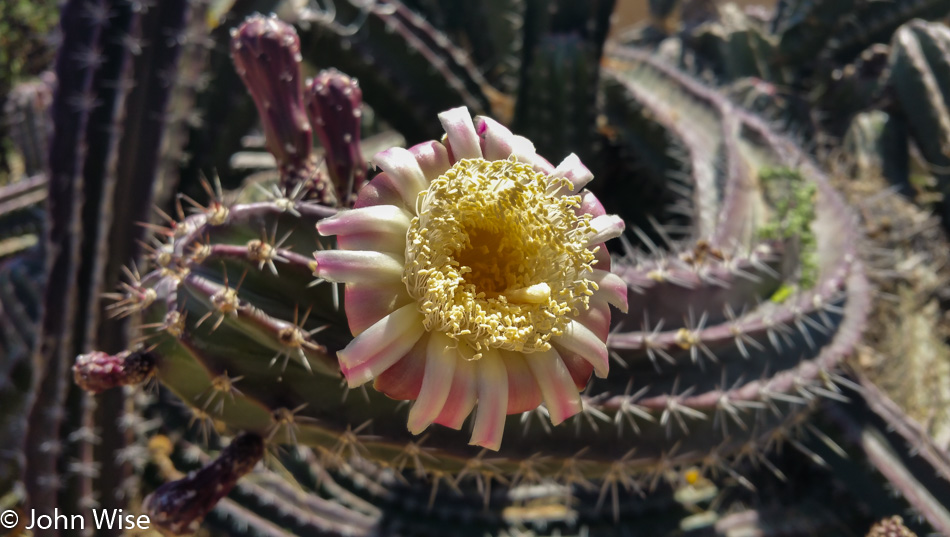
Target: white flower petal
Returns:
[[403, 171], [462, 396], [358, 266], [497, 142], [611, 288], [374, 219], [606, 227], [492, 401], [441, 357], [557, 387], [432, 157], [572, 169], [580, 340], [381, 345], [460, 131]]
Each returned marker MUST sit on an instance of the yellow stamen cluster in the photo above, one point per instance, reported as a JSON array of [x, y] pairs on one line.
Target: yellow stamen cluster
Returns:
[[496, 258]]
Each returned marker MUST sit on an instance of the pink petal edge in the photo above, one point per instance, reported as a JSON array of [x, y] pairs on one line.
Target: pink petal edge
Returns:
[[558, 390], [358, 266], [441, 359], [462, 396], [492, 401], [381, 345], [579, 339]]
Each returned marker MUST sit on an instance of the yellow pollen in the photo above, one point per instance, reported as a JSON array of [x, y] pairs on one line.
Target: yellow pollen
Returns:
[[496, 259]]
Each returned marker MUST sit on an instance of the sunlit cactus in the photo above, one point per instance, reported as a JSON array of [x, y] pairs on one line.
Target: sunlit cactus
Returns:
[[615, 283]]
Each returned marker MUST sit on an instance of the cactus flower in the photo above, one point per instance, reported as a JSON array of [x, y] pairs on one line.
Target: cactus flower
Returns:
[[475, 273]]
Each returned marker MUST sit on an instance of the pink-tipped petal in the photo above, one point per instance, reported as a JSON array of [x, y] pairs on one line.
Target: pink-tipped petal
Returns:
[[572, 169], [560, 395], [441, 357], [523, 391], [462, 396], [376, 219], [432, 157], [404, 172], [496, 141], [492, 401], [381, 345], [379, 228], [379, 191], [611, 288], [367, 303], [606, 227], [358, 266], [460, 132], [403, 380], [579, 339]]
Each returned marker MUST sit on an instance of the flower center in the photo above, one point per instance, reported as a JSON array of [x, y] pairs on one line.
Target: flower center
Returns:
[[496, 258]]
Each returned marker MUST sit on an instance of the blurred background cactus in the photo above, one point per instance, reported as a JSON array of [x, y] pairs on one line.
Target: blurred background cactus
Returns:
[[782, 367]]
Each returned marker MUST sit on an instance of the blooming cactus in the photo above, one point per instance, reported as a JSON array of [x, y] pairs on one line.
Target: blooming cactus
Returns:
[[475, 272]]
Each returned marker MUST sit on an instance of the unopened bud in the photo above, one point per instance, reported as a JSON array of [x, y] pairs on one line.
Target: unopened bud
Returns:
[[97, 371], [334, 103]]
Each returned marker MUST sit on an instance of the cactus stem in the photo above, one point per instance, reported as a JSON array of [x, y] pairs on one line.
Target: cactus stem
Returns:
[[179, 506]]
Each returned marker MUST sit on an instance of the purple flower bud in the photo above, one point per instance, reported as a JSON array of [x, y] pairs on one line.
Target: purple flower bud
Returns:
[[266, 55], [179, 507], [333, 103], [97, 371]]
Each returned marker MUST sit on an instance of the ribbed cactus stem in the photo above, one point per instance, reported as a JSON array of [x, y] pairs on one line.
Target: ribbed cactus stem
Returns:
[[179, 507], [266, 55], [334, 103]]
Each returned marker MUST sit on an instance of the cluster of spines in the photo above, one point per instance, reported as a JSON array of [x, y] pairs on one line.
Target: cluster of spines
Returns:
[[296, 493], [742, 311]]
